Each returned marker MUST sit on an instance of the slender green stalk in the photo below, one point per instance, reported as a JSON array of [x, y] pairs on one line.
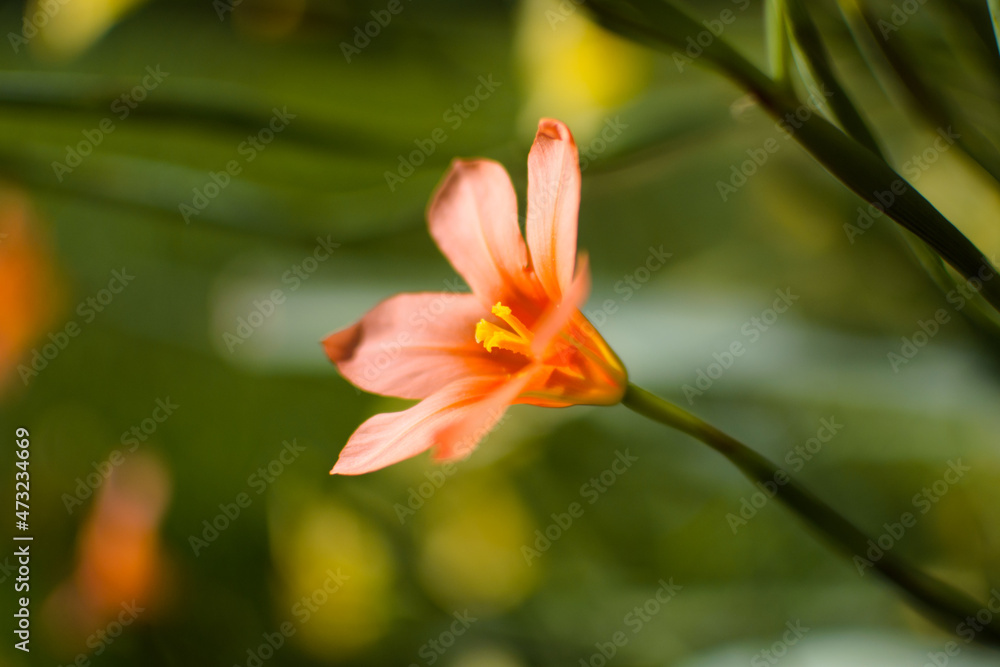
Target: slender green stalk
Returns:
[[944, 604], [778, 49]]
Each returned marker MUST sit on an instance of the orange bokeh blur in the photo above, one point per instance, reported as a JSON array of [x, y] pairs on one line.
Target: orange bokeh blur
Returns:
[[27, 282], [120, 560]]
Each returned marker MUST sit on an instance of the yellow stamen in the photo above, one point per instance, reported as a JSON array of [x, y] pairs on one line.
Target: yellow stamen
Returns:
[[493, 336]]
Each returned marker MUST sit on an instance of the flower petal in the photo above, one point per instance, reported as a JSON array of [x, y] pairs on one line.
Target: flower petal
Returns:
[[411, 345], [559, 315], [473, 219], [392, 437], [553, 205], [457, 440]]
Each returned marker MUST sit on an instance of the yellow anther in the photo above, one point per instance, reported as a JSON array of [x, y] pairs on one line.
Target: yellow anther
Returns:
[[493, 336], [503, 312]]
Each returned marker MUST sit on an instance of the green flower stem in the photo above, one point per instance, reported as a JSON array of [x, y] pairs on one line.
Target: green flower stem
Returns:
[[946, 605]]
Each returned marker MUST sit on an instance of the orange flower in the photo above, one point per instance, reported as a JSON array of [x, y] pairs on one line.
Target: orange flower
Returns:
[[519, 337]]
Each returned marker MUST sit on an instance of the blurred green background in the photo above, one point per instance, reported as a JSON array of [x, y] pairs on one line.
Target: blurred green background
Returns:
[[375, 570]]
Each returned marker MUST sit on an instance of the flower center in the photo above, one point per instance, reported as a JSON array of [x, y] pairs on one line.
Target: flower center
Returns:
[[517, 339]]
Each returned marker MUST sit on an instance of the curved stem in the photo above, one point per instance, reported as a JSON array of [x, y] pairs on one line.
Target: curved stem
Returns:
[[946, 605]]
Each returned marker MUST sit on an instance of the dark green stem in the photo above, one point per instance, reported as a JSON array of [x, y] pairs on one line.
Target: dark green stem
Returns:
[[941, 602]]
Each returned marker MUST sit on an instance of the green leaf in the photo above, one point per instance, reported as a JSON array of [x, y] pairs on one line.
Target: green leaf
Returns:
[[778, 51], [856, 166], [994, 6], [935, 108], [809, 43]]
